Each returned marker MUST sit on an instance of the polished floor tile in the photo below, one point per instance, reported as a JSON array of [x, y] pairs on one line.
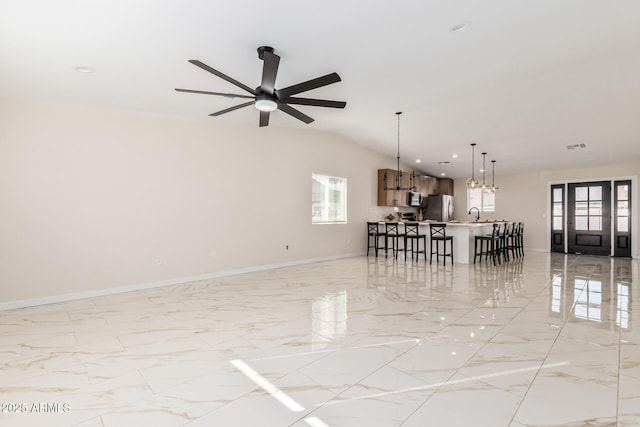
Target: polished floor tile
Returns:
[[544, 340]]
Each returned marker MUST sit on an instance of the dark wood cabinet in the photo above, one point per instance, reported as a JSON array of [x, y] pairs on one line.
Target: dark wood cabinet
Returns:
[[391, 197], [445, 186], [427, 185]]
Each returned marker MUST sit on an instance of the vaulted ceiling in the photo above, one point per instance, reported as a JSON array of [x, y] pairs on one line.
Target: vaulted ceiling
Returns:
[[522, 79]]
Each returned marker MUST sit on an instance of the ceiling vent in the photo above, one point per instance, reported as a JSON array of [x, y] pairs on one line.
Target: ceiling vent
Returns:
[[574, 146]]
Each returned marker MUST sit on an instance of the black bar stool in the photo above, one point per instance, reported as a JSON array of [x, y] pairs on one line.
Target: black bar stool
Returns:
[[488, 245], [511, 241], [520, 238], [392, 232], [439, 234], [374, 233], [412, 234], [503, 249]]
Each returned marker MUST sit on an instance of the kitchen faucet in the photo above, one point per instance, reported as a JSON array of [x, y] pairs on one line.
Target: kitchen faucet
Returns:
[[477, 214]]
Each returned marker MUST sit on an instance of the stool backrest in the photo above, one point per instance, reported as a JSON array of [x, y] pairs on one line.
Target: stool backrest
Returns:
[[438, 230], [514, 229], [372, 227], [391, 227], [411, 229], [495, 233], [505, 229]]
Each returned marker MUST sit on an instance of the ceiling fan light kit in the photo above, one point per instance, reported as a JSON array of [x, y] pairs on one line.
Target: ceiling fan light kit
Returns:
[[266, 104], [266, 98]]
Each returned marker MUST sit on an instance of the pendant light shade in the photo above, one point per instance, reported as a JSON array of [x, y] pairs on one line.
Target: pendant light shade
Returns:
[[472, 182], [493, 176]]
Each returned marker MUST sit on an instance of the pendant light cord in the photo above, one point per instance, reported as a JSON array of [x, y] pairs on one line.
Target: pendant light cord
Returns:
[[399, 174]]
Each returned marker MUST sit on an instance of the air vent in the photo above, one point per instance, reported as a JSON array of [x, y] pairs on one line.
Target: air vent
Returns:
[[574, 146], [445, 163]]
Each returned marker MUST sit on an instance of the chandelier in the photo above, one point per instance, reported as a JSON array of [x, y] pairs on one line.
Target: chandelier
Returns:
[[398, 180]]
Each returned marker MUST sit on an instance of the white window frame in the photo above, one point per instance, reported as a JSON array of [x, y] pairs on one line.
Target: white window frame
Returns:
[[487, 199], [324, 210]]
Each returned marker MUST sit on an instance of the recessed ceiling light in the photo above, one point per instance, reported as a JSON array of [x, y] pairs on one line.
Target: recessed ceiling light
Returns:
[[443, 174], [84, 70], [481, 170], [418, 160], [461, 26], [455, 156]]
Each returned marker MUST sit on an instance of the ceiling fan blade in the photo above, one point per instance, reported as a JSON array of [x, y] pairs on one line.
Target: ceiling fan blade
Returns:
[[264, 118], [226, 95], [316, 102], [269, 72], [308, 85], [295, 113], [236, 107], [222, 75]]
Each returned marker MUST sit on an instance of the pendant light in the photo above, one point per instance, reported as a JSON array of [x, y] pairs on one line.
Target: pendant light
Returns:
[[398, 183], [484, 168], [472, 182], [493, 176]]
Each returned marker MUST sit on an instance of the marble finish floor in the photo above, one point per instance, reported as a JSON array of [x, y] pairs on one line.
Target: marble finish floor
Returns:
[[546, 340]]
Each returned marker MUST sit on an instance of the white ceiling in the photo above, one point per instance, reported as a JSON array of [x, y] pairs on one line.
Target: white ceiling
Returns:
[[523, 80]]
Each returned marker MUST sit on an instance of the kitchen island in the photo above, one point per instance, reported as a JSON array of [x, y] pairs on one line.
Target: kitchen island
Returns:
[[463, 233]]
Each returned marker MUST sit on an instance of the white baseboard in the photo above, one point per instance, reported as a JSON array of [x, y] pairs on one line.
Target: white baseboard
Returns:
[[9, 305], [535, 250]]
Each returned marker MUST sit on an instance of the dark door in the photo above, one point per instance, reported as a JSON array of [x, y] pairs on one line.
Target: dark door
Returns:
[[589, 218], [557, 218], [622, 219]]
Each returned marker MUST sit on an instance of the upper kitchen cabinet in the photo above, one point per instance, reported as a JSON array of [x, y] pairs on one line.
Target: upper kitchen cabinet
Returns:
[[426, 185], [392, 197], [445, 186]]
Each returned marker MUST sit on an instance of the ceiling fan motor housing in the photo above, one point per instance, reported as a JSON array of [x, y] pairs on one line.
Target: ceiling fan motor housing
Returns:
[[262, 50]]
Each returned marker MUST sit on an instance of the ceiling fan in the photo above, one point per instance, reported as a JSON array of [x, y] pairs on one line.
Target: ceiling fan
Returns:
[[266, 97]]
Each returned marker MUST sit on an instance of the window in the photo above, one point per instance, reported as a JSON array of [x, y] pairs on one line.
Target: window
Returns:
[[328, 199], [588, 213], [622, 208], [557, 221], [483, 199]]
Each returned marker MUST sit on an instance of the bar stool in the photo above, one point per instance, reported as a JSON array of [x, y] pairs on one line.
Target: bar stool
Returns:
[[511, 240], [392, 231], [412, 233], [439, 234], [488, 245], [374, 233], [520, 238], [503, 249]]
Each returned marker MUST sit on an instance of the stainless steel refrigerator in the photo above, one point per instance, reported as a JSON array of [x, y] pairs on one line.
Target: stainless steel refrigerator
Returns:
[[439, 208]]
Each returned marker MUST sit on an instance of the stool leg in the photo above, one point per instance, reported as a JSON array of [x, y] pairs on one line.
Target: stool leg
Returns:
[[430, 251], [475, 250]]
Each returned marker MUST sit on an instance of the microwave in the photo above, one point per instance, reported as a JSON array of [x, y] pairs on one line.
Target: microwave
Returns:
[[415, 198]]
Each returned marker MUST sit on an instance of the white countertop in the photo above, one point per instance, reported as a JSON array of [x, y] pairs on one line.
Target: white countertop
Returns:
[[453, 223]]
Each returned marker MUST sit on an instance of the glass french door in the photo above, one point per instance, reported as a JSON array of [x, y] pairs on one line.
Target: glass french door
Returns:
[[589, 218], [622, 219], [557, 218]]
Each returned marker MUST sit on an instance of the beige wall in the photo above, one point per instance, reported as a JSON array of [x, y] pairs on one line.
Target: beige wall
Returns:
[[95, 199], [525, 198]]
